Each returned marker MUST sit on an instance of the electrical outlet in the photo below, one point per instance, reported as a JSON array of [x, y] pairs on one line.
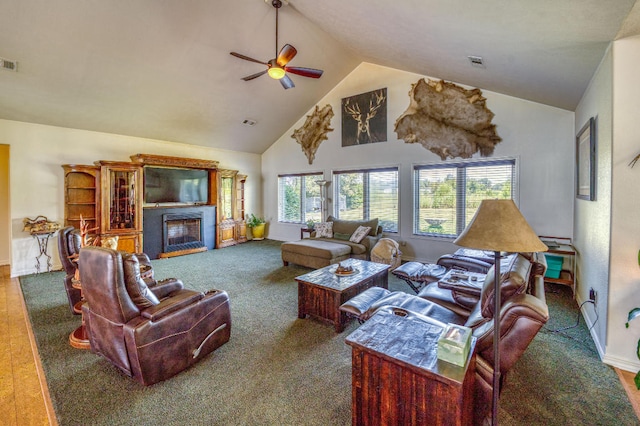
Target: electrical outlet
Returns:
[[593, 296]]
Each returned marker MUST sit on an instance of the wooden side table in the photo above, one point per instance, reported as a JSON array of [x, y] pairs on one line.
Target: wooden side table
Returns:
[[305, 230], [562, 246], [398, 379]]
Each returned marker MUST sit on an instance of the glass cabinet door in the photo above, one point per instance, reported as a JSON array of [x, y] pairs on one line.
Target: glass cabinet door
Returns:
[[123, 199], [241, 179], [227, 198]]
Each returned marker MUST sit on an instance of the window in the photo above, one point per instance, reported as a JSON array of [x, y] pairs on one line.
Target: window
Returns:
[[367, 194], [299, 198], [448, 195]]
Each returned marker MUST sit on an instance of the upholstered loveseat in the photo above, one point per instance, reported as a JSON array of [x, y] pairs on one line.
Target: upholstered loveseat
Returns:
[[323, 249]]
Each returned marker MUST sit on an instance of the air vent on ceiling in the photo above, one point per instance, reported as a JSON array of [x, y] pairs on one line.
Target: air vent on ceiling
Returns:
[[249, 122], [476, 61], [8, 65]]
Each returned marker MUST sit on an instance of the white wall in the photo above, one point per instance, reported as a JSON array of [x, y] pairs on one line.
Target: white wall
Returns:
[[539, 136], [37, 178], [592, 220], [624, 277]]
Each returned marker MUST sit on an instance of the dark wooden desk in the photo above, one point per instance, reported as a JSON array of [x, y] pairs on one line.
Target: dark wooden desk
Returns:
[[397, 378], [321, 292]]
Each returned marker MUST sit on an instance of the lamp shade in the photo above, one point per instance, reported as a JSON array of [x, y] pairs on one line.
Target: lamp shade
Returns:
[[498, 225]]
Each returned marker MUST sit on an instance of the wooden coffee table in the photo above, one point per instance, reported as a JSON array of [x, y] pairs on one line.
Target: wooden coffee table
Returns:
[[321, 292]]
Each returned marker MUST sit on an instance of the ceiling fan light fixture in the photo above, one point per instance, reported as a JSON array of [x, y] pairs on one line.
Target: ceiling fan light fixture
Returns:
[[277, 67], [275, 71]]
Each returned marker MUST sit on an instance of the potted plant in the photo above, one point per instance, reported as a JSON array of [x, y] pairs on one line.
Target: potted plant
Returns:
[[633, 314], [257, 226], [310, 224]]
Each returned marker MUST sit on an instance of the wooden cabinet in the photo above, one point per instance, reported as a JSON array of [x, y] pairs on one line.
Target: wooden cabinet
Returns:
[[109, 196], [121, 210], [241, 224], [232, 228], [241, 231], [81, 195]]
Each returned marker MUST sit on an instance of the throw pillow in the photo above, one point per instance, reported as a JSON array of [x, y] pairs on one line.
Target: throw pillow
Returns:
[[339, 236], [359, 234], [324, 229], [136, 287]]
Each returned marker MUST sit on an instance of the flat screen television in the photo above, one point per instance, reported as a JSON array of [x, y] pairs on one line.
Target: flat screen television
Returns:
[[173, 185]]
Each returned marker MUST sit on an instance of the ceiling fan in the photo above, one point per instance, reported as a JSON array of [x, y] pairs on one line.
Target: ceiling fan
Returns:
[[277, 67]]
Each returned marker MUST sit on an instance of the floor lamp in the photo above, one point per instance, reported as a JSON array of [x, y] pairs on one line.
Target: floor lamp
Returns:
[[323, 199], [499, 226]]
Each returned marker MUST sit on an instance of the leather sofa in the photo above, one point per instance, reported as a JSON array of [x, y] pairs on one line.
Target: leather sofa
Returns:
[[524, 311], [417, 275], [317, 252], [149, 333]]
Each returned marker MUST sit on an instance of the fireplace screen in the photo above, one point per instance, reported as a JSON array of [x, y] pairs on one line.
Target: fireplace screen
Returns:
[[182, 232]]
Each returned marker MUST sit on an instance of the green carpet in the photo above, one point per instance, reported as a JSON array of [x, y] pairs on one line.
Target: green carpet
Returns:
[[281, 370]]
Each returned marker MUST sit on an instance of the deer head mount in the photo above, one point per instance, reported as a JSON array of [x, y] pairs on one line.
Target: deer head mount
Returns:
[[360, 111]]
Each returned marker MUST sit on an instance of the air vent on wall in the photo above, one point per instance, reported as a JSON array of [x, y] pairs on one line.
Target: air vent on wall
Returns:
[[476, 61], [8, 65]]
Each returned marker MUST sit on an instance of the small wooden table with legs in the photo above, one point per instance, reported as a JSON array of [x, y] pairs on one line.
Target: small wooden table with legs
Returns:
[[321, 292]]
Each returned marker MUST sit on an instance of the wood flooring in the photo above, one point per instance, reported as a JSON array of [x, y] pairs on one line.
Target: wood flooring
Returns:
[[24, 397]]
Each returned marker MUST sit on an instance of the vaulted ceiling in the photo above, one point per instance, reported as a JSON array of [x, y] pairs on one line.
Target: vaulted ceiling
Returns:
[[161, 69]]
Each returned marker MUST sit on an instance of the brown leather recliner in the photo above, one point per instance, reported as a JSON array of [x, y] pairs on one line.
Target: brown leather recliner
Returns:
[[150, 334], [68, 246]]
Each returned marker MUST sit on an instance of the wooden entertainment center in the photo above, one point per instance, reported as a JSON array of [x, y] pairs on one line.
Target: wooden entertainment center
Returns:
[[109, 196]]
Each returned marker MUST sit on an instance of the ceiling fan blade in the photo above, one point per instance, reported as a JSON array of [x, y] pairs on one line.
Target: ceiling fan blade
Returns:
[[246, 58], [305, 72], [252, 76], [286, 82], [286, 54]]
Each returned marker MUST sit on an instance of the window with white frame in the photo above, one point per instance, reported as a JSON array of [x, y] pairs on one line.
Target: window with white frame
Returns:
[[446, 196], [299, 198], [367, 194]]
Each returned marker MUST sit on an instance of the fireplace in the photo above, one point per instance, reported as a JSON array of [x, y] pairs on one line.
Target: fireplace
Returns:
[[182, 231], [156, 239]]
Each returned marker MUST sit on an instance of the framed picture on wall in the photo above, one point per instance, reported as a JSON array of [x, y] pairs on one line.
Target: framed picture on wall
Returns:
[[586, 161], [364, 118]]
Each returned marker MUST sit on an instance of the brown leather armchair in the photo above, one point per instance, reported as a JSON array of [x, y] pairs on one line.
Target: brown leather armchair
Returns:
[[69, 245], [149, 333]]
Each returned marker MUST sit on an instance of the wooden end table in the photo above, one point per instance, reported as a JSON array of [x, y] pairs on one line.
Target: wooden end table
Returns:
[[305, 230], [321, 292], [397, 378]]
